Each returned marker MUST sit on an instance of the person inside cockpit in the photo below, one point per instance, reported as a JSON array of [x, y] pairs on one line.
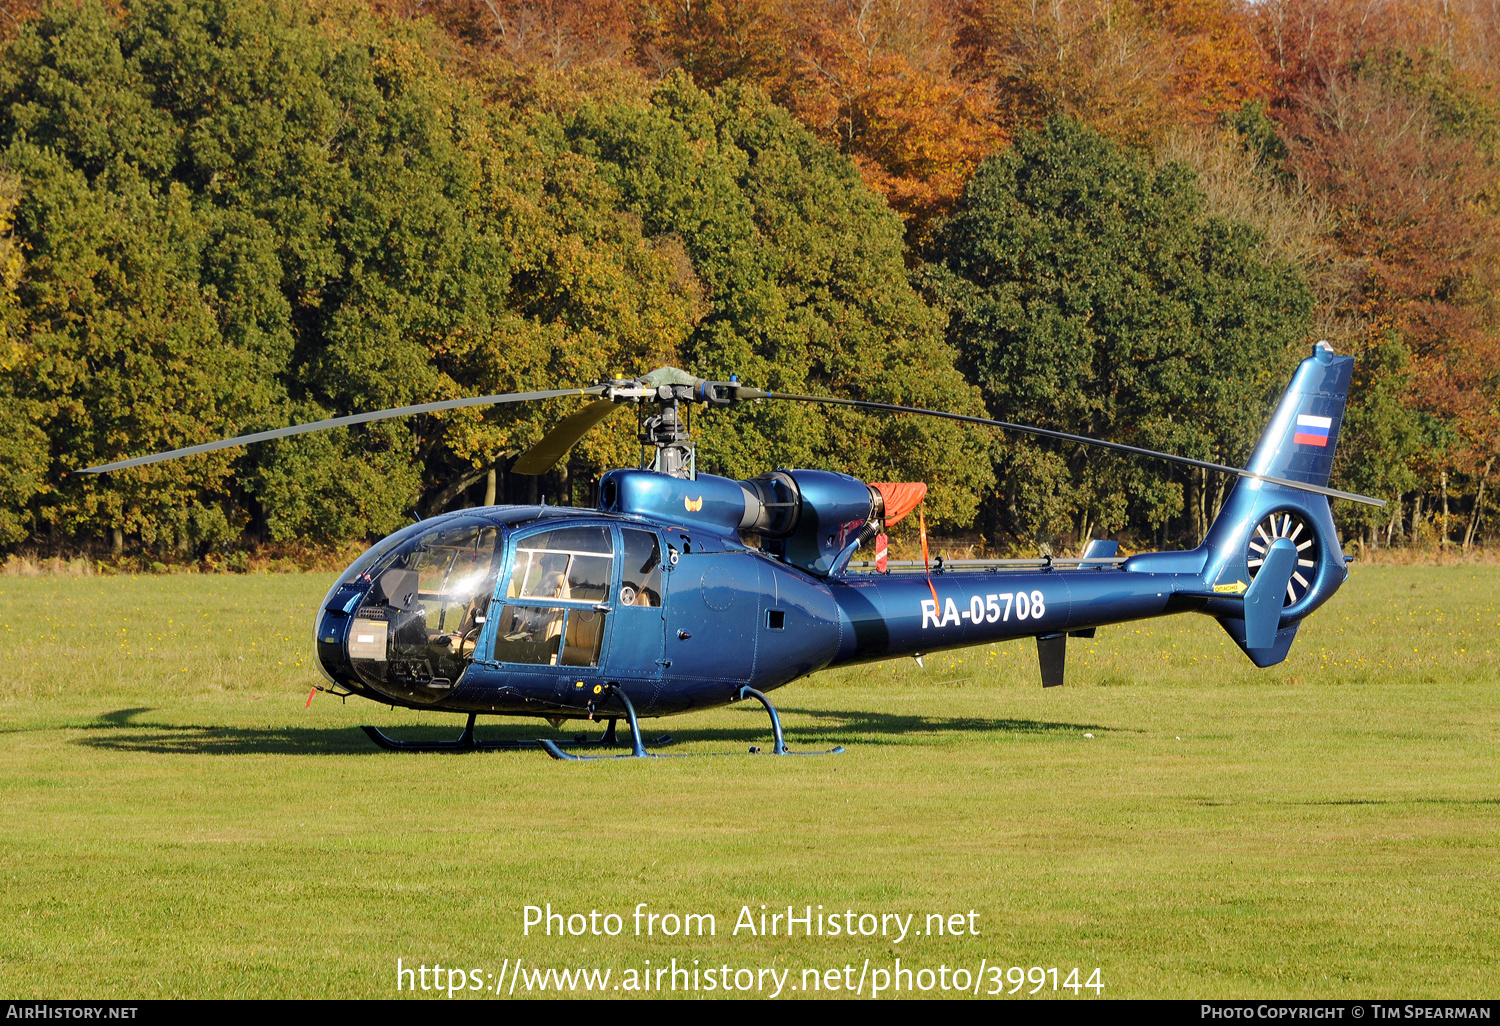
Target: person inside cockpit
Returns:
[[529, 621], [464, 637]]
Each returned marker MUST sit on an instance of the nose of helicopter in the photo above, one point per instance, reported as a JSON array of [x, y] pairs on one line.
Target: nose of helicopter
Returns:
[[404, 619]]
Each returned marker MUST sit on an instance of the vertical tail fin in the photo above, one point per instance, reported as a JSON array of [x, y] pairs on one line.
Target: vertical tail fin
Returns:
[[1298, 444], [1299, 441]]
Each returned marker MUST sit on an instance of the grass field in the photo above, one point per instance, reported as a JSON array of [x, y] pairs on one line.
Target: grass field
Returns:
[[176, 823]]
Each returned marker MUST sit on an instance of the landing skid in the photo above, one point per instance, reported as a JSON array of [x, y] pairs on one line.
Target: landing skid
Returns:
[[638, 750], [467, 742]]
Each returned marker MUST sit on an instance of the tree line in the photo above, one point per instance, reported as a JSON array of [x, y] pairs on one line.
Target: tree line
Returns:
[[1127, 220]]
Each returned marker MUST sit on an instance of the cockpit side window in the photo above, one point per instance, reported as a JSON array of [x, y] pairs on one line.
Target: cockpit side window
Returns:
[[640, 583]]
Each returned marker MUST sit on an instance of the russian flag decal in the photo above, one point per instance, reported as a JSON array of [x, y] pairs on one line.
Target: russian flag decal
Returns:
[[1312, 430]]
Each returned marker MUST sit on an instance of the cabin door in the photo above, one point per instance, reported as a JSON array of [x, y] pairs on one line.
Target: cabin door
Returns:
[[555, 611], [636, 630]]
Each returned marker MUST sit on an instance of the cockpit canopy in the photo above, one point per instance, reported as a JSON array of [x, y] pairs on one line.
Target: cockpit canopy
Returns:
[[429, 590], [426, 602]]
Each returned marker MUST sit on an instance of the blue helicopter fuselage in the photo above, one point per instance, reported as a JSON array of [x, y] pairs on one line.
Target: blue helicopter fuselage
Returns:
[[730, 615], [682, 591]]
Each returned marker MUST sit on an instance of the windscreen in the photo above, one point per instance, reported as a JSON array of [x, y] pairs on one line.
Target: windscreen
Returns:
[[418, 626]]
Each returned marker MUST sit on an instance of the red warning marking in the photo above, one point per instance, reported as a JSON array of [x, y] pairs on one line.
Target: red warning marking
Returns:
[[314, 691]]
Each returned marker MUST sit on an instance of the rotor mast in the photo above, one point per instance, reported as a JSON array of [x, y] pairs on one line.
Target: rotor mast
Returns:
[[670, 431]]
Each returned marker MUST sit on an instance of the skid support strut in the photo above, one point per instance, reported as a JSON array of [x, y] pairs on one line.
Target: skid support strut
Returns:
[[637, 749], [467, 742], [779, 747]]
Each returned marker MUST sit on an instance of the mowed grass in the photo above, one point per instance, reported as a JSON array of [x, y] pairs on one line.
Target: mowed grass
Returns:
[[174, 821]]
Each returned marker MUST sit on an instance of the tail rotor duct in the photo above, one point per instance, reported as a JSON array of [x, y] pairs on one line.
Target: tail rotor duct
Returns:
[[1291, 526]]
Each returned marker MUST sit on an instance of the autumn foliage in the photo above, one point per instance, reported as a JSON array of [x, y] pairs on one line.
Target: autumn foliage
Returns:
[[798, 188], [1389, 111], [1374, 123]]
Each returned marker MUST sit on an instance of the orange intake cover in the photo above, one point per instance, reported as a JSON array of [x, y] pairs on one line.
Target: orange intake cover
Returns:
[[900, 497]]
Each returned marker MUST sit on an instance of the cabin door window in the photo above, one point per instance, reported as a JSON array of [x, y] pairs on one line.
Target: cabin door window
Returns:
[[556, 600]]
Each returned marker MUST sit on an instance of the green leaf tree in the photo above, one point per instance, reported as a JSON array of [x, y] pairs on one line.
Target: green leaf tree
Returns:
[[1089, 292], [803, 286], [241, 215], [23, 446]]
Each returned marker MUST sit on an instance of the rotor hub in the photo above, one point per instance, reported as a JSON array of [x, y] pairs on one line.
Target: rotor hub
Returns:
[[669, 431]]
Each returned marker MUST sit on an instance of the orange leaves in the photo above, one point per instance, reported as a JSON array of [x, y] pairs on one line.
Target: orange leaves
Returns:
[[915, 133], [874, 78], [1128, 69], [718, 40], [1389, 115], [917, 92], [1218, 63], [529, 34]]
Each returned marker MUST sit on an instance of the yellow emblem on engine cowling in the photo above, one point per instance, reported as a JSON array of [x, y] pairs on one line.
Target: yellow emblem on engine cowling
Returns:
[[692, 505]]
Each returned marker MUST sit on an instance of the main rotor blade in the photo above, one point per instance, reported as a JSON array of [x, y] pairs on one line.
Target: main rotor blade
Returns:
[[357, 418], [543, 456], [1332, 493]]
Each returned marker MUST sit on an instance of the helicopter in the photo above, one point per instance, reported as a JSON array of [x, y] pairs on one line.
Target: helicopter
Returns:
[[685, 591]]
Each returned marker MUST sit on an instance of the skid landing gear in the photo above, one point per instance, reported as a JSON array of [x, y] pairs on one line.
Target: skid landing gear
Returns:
[[638, 750], [779, 748], [467, 742]]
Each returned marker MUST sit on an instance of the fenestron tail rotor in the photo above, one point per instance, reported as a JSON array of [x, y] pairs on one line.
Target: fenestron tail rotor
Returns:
[[1288, 525]]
